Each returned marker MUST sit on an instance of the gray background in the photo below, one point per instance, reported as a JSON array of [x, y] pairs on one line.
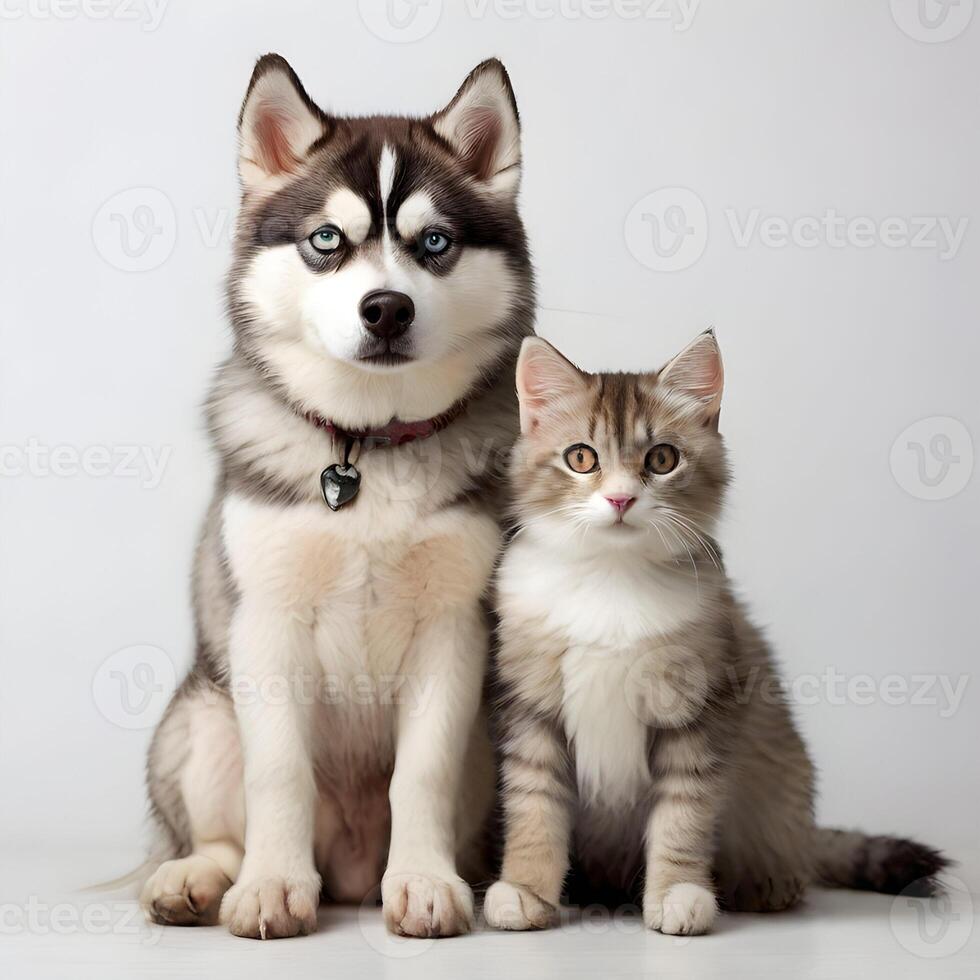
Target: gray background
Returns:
[[792, 108]]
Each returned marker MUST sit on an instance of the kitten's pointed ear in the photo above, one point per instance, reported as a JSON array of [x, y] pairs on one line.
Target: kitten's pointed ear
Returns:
[[544, 379], [698, 371], [278, 124], [482, 127]]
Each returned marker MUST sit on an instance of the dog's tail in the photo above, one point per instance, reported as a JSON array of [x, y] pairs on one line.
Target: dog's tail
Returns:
[[893, 865], [158, 851], [135, 877]]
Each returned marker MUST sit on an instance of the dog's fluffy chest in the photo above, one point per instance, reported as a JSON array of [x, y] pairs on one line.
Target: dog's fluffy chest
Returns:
[[363, 596]]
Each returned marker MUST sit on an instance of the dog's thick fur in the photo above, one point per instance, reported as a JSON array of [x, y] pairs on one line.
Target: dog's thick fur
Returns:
[[335, 697]]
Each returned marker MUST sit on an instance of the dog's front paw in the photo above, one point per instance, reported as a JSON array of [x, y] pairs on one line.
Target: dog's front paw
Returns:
[[272, 906], [426, 906], [686, 910], [509, 906], [185, 892]]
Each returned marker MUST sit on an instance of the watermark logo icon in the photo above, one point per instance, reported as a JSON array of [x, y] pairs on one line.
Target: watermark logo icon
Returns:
[[932, 21], [937, 926], [400, 21], [667, 230], [933, 458], [669, 687], [133, 686], [136, 229]]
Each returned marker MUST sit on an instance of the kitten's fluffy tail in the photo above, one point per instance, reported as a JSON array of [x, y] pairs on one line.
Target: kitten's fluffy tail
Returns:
[[893, 865]]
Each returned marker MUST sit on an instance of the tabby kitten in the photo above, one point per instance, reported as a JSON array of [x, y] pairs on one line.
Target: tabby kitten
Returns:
[[642, 725]]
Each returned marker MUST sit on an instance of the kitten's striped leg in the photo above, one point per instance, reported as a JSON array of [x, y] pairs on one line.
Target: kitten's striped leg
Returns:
[[538, 799], [678, 896]]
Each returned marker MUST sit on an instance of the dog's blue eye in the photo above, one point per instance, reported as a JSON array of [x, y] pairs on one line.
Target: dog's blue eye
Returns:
[[326, 239], [435, 242]]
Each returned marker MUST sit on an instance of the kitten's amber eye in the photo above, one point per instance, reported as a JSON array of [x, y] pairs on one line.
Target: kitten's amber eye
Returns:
[[662, 459], [582, 458]]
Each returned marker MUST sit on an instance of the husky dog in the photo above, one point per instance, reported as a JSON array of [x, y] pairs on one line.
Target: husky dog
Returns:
[[380, 290]]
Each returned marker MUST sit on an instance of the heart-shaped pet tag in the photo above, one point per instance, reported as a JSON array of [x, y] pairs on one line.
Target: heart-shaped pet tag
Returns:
[[339, 484]]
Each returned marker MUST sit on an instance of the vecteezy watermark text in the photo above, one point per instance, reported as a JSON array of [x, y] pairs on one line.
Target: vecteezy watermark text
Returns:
[[680, 692], [412, 692], [147, 13], [834, 687], [145, 464], [38, 918], [405, 21], [679, 13], [835, 230], [667, 230]]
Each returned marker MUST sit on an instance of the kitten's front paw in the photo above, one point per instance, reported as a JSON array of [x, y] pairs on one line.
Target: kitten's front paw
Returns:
[[272, 907], [426, 906], [508, 906], [686, 910]]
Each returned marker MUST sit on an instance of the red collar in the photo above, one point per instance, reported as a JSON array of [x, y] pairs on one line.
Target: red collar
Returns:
[[395, 433]]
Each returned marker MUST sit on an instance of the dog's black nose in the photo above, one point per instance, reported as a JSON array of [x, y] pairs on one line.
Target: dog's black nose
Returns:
[[387, 314]]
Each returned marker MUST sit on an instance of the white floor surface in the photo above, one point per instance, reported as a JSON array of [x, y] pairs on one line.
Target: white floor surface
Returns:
[[50, 928]]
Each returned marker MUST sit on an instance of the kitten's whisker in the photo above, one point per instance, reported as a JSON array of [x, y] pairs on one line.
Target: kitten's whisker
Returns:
[[681, 540], [670, 554], [583, 524], [542, 517], [692, 528], [683, 532], [578, 520], [694, 564], [697, 510], [565, 508]]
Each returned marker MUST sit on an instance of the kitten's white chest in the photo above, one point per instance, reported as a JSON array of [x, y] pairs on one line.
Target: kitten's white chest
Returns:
[[611, 610], [610, 602], [608, 737]]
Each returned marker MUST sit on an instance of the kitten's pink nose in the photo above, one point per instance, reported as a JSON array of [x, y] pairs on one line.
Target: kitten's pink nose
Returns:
[[621, 501]]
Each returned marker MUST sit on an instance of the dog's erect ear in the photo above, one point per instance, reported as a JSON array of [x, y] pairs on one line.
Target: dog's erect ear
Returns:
[[546, 380], [482, 127], [278, 124], [698, 372]]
